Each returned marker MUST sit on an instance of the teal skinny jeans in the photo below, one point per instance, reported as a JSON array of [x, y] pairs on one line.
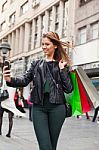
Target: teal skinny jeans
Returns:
[[48, 120]]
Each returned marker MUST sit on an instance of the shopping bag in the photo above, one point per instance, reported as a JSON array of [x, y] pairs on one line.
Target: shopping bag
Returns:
[[88, 85], [85, 100], [74, 98]]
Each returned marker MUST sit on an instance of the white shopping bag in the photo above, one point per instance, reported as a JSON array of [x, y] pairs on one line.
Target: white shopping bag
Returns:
[[90, 88]]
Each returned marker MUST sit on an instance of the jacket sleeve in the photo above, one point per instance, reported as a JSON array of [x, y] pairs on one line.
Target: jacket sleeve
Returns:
[[24, 80], [66, 80]]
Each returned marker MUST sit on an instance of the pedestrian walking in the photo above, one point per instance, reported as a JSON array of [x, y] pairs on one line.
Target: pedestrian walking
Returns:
[[19, 101], [9, 107], [10, 117], [10, 114], [51, 79], [30, 107], [95, 114]]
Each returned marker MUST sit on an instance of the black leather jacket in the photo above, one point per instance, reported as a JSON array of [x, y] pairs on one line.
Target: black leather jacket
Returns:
[[37, 74]]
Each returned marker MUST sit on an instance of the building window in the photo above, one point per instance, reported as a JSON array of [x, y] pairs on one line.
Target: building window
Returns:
[[57, 19], [50, 21], [83, 2], [82, 35], [3, 25], [65, 19], [24, 8], [95, 30], [36, 33], [4, 6], [12, 18]]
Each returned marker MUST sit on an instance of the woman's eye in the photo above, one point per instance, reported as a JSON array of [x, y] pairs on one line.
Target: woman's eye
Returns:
[[46, 44]]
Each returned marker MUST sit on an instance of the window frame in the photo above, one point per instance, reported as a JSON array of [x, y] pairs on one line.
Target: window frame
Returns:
[[24, 8], [3, 24], [4, 6], [94, 29], [12, 18], [82, 34]]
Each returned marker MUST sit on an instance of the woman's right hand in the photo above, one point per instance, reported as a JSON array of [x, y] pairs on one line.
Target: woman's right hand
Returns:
[[6, 74]]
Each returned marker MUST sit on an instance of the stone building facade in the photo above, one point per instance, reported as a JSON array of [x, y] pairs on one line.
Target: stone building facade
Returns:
[[22, 24], [86, 52]]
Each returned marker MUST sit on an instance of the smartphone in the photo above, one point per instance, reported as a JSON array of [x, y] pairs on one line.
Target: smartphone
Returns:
[[7, 63]]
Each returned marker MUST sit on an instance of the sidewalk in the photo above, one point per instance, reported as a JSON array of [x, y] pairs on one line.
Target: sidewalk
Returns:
[[77, 134]]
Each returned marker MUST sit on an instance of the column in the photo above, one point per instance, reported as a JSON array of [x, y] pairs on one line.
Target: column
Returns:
[[39, 31], [17, 42], [71, 18], [26, 38], [33, 33], [21, 39], [13, 44], [53, 18], [9, 41], [46, 18]]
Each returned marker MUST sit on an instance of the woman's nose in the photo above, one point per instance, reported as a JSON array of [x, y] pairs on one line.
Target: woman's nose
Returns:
[[44, 46]]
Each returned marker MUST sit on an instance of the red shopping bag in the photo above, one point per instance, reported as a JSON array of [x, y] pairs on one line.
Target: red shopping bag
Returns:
[[88, 86], [83, 96]]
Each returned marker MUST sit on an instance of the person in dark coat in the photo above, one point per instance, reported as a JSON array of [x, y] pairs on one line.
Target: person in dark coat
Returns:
[[30, 107]]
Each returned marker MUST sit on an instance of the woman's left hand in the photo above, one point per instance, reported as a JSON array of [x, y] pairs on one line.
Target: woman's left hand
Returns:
[[62, 64]]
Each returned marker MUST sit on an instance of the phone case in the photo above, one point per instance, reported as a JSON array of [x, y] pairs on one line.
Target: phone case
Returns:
[[7, 63]]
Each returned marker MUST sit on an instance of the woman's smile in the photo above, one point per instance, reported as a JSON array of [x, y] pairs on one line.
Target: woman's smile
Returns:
[[48, 47]]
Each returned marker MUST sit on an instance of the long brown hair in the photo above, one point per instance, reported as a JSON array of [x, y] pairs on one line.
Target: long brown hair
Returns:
[[60, 53]]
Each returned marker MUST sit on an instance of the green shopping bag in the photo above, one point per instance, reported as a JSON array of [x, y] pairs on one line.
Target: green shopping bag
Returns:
[[74, 98]]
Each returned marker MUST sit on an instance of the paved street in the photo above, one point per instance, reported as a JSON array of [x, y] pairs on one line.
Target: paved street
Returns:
[[77, 134]]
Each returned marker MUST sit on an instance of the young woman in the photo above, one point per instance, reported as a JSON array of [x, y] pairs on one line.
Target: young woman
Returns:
[[50, 80]]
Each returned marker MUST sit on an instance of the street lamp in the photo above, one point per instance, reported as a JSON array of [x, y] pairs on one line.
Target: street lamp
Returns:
[[4, 51]]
